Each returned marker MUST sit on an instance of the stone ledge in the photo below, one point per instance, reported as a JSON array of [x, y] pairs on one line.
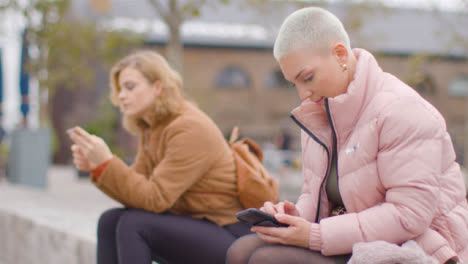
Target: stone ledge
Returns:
[[56, 225], [28, 241]]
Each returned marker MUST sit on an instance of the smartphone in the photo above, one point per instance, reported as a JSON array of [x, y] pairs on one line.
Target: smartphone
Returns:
[[256, 217]]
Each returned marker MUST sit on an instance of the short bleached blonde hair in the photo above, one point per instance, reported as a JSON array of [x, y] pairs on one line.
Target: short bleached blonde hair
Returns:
[[310, 26], [153, 67]]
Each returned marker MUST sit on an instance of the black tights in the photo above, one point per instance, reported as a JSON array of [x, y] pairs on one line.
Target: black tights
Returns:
[[135, 236], [252, 250]]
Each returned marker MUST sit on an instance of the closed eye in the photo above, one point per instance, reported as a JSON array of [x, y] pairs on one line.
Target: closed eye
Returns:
[[129, 85], [309, 79]]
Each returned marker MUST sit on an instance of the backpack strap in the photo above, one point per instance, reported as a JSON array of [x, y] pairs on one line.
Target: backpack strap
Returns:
[[234, 135], [254, 148]]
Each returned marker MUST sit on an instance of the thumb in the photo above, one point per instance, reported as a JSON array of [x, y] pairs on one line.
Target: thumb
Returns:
[[288, 206], [288, 219], [291, 209]]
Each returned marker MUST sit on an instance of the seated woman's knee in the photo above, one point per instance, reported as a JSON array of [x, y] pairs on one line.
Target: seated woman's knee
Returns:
[[241, 250], [236, 253], [131, 221], [108, 220]]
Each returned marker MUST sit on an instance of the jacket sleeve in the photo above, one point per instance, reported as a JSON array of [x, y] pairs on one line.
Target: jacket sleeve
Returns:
[[188, 156], [409, 166], [307, 202], [138, 166]]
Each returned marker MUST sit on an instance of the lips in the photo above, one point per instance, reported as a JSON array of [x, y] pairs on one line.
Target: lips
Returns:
[[125, 106], [319, 101]]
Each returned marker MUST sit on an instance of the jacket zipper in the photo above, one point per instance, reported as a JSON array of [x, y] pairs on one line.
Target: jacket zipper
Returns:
[[328, 165], [335, 144]]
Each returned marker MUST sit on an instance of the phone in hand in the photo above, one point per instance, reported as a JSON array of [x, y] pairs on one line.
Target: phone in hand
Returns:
[[256, 217]]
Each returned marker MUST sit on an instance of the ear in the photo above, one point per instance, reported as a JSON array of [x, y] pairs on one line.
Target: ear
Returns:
[[340, 52], [157, 86]]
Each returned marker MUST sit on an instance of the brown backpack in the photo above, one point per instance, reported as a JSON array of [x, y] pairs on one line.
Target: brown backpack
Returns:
[[254, 185]]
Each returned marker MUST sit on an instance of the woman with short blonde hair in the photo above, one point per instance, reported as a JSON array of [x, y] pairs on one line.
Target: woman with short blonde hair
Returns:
[[378, 163], [180, 194]]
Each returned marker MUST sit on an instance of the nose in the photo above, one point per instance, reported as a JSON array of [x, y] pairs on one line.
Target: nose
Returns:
[[121, 94], [303, 92]]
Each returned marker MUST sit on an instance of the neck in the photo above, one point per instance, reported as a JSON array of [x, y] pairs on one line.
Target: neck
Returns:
[[148, 120], [352, 61], [148, 117]]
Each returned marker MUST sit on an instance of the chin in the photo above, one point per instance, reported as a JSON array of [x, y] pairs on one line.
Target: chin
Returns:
[[127, 113], [134, 114]]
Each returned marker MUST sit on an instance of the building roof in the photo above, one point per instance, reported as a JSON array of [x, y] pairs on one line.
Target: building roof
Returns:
[[396, 31]]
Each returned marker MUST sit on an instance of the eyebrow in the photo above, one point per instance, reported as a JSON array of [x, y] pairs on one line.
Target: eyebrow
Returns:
[[127, 82]]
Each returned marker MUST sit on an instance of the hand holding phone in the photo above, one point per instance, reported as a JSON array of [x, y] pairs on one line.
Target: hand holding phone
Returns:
[[257, 217]]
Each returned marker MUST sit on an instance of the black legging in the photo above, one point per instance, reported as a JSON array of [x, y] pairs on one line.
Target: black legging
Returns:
[[136, 236]]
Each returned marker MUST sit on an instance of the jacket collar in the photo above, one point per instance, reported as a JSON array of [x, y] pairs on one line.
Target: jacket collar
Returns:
[[347, 108], [157, 121]]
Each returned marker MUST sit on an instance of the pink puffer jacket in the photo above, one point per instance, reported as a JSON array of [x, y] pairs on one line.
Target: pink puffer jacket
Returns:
[[396, 168]]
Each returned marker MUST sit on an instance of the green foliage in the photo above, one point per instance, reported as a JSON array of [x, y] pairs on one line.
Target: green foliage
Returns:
[[69, 50], [4, 150], [415, 74]]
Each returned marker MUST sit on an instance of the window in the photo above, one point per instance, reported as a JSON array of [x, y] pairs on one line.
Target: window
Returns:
[[458, 87], [275, 79], [233, 77]]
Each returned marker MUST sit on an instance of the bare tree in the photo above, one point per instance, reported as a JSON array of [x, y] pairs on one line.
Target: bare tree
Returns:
[[173, 13]]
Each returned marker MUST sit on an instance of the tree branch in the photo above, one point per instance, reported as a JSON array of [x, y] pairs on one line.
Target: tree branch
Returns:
[[192, 8], [163, 12]]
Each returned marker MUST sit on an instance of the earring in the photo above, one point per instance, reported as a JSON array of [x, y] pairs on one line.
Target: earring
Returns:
[[344, 66]]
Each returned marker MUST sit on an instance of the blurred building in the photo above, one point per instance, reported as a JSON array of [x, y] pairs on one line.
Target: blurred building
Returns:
[[229, 69]]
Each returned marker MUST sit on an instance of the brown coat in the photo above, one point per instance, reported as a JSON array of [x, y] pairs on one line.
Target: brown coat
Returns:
[[183, 165]]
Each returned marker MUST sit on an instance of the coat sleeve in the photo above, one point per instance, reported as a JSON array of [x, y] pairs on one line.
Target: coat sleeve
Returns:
[[138, 166], [307, 201], [409, 165], [189, 154]]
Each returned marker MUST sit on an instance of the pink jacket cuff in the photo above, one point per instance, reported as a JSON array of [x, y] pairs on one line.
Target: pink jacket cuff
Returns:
[[315, 239]]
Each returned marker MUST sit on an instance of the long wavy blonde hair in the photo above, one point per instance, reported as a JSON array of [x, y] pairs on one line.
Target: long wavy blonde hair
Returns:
[[154, 68]]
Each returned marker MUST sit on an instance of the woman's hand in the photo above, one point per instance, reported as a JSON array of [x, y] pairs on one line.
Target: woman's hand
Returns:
[[285, 207], [80, 161], [297, 234], [93, 148]]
